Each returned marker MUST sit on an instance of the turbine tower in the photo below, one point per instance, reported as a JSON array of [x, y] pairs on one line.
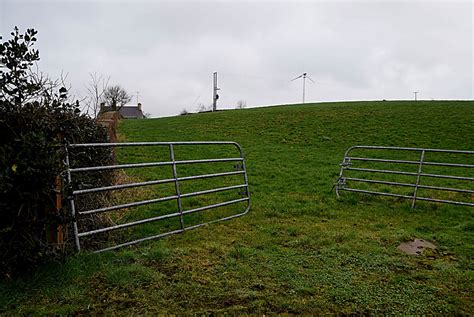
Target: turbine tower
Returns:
[[304, 76], [416, 95]]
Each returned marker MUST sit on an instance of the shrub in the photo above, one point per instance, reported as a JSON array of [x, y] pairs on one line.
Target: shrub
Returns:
[[35, 119]]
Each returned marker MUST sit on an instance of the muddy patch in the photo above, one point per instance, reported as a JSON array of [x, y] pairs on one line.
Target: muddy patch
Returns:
[[415, 247]]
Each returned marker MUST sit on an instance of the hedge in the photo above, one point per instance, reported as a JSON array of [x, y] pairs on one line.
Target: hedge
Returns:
[[36, 119]]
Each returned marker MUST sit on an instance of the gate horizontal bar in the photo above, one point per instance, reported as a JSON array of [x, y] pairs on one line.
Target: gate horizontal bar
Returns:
[[119, 166], [408, 197], [111, 167], [459, 190], [230, 202], [378, 181], [82, 145], [374, 147], [379, 171], [187, 178], [126, 244], [230, 159], [214, 190], [448, 176], [367, 159], [157, 200], [134, 204], [122, 186], [468, 191], [130, 224], [155, 182], [161, 235], [374, 192], [449, 164], [134, 223], [407, 173], [445, 201]]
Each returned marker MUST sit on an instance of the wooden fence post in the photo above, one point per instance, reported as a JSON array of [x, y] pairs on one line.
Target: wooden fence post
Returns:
[[59, 204]]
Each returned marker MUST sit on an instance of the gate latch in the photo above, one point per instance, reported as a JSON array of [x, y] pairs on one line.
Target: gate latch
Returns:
[[341, 183]]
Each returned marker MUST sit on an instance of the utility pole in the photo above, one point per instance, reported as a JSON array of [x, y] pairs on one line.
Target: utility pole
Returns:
[[304, 84], [215, 96], [415, 93]]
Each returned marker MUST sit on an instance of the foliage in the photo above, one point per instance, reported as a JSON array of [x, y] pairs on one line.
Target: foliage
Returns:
[[17, 57], [115, 97], [35, 116], [299, 250]]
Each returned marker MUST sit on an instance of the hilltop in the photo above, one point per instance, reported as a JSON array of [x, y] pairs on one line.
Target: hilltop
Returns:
[[299, 250]]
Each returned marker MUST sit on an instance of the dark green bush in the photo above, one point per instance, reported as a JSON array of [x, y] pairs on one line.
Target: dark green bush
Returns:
[[35, 119]]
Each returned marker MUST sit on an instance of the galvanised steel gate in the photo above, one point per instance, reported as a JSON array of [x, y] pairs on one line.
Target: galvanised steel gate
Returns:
[[417, 180], [180, 212]]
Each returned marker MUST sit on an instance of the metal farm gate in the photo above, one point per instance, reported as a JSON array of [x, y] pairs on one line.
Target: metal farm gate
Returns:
[[179, 212], [452, 175]]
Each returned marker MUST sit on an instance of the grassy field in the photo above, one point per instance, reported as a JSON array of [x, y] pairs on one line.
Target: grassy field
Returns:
[[299, 250]]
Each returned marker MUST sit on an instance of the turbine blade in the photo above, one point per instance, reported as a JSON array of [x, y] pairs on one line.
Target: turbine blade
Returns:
[[310, 78], [297, 77]]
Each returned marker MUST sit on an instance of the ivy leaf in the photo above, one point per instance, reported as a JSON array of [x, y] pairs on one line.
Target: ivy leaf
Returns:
[[14, 167]]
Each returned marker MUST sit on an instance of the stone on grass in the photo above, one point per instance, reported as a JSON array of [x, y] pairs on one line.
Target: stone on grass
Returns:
[[415, 247]]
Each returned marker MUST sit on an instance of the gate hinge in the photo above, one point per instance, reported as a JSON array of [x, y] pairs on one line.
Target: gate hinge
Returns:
[[347, 162]]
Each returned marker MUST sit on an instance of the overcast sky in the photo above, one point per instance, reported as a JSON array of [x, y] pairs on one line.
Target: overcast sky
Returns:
[[353, 50]]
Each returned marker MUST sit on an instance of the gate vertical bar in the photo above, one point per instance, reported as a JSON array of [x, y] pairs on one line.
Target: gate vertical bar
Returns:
[[176, 185], [345, 162], [422, 157], [71, 200], [244, 168]]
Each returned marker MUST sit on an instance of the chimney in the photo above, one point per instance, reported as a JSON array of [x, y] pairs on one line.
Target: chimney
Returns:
[[140, 106]]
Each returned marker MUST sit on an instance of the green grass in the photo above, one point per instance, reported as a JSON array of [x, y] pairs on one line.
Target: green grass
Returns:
[[299, 250]]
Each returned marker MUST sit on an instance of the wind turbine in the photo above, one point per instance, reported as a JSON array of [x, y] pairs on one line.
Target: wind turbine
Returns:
[[416, 95], [304, 76]]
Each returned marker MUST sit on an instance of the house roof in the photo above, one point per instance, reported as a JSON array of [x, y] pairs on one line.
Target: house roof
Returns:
[[131, 111]]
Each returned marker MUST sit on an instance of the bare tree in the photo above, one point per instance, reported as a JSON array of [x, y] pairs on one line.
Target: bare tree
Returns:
[[96, 88], [49, 87], [203, 108], [115, 97], [241, 104]]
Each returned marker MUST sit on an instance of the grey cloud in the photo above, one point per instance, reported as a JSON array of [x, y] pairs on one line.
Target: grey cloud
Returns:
[[168, 50]]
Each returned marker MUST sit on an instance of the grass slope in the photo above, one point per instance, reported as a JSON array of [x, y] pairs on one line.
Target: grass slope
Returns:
[[299, 250]]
